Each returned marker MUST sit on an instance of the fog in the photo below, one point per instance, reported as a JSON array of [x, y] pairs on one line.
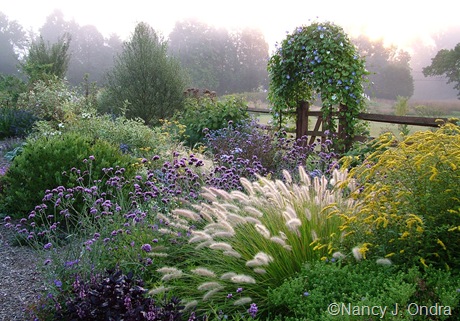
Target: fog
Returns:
[[422, 32]]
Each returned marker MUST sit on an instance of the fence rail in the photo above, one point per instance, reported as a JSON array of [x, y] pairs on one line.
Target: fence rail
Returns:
[[381, 118], [302, 122], [403, 120]]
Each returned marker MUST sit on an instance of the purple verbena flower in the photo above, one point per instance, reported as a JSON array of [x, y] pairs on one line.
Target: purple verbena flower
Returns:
[[146, 247], [253, 310]]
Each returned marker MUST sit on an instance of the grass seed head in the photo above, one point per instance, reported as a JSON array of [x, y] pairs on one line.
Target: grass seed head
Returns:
[[227, 276], [187, 214], [243, 301], [190, 305], [208, 286], [211, 293], [262, 230], [158, 290], [241, 278], [221, 246], [204, 272]]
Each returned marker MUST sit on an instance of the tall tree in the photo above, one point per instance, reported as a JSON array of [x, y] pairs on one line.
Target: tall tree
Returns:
[[12, 41], [219, 60], [88, 55], [253, 56], [47, 61], [446, 63], [423, 50], [91, 53], [390, 72], [201, 50], [55, 26], [145, 80]]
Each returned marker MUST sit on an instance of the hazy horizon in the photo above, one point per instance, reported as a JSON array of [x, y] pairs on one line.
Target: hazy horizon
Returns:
[[396, 22]]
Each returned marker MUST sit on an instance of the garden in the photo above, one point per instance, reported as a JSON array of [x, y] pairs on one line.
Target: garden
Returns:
[[209, 216]]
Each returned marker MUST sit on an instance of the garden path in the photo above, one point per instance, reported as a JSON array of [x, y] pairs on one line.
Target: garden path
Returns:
[[20, 281]]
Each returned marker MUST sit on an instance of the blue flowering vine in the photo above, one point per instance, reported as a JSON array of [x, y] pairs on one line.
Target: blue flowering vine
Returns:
[[318, 60]]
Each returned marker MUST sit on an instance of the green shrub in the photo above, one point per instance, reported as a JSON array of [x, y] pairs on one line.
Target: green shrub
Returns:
[[10, 89], [206, 112], [130, 135], [42, 162], [320, 285], [53, 101], [409, 202]]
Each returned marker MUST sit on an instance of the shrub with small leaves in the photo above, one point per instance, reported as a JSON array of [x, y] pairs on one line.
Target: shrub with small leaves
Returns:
[[308, 295], [42, 162], [53, 101]]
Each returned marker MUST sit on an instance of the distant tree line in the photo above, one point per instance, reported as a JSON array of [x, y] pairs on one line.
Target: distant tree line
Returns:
[[219, 60], [390, 72], [216, 59]]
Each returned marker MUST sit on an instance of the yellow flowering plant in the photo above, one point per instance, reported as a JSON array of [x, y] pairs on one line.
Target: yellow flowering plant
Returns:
[[409, 201]]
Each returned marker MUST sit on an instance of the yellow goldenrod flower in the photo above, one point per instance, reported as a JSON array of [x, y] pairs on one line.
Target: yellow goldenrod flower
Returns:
[[422, 260], [404, 235], [363, 249], [442, 244], [434, 172]]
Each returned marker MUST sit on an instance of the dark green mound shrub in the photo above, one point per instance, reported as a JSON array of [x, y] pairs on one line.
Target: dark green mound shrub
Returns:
[[207, 112], [309, 295], [42, 162]]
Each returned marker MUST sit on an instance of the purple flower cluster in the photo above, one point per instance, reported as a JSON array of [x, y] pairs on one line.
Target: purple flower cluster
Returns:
[[246, 150], [64, 208], [3, 169], [178, 177], [253, 310]]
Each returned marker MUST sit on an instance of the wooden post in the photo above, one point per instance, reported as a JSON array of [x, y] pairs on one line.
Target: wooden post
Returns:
[[343, 128], [302, 119]]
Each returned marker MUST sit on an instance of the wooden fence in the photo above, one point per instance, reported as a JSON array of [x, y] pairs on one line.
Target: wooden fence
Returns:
[[304, 112]]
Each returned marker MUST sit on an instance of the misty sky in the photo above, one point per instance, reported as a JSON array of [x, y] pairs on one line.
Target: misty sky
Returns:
[[398, 22]]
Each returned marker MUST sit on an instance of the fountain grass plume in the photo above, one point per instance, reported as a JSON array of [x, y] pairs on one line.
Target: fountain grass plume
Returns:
[[265, 235]]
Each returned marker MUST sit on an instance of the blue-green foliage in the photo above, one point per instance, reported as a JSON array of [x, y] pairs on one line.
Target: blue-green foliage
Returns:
[[15, 122]]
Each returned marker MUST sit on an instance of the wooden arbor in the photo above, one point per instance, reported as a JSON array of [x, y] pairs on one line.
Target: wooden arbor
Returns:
[[319, 130]]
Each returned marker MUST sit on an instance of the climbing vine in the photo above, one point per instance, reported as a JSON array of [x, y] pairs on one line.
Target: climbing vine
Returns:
[[318, 61]]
